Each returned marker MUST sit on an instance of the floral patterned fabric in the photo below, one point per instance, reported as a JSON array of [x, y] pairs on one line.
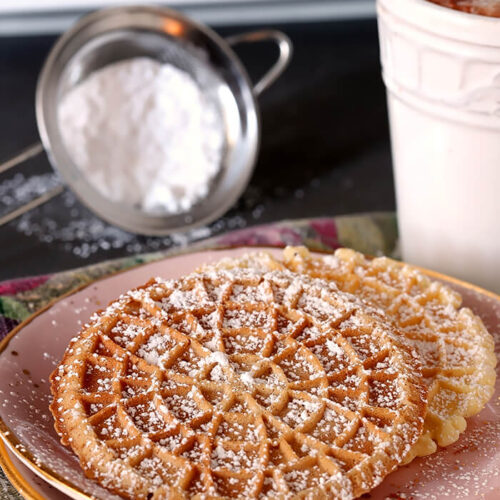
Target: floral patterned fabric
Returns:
[[373, 234]]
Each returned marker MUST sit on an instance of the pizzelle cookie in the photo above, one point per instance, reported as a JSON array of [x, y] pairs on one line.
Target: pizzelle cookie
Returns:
[[238, 384], [457, 351]]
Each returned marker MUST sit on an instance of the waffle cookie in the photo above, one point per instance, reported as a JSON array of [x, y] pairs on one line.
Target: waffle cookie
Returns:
[[456, 350], [238, 384]]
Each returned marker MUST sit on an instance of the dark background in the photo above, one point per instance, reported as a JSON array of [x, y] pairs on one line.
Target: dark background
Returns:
[[325, 147]]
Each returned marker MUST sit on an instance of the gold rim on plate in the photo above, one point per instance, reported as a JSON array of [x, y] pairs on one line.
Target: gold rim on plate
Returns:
[[14, 475], [10, 441]]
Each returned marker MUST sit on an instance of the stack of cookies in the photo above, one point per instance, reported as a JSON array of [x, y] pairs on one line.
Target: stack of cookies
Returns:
[[301, 377]]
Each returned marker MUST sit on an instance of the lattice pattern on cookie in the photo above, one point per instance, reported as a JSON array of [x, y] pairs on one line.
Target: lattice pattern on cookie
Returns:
[[214, 384], [456, 350]]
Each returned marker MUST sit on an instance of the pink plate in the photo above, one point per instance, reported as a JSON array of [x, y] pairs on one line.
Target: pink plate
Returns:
[[469, 469]]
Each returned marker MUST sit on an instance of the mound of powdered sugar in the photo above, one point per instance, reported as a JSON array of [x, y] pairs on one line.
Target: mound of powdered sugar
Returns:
[[143, 133]]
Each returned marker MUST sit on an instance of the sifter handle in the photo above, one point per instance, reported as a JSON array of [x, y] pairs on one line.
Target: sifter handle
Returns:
[[285, 47], [27, 153], [24, 155]]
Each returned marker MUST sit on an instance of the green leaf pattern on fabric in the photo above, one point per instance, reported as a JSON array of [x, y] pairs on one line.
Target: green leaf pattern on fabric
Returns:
[[13, 308]]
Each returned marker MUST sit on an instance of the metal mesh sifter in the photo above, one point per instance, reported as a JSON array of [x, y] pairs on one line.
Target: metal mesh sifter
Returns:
[[112, 35]]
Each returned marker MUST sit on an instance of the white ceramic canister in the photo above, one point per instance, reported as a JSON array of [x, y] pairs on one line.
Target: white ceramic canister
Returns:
[[441, 68]]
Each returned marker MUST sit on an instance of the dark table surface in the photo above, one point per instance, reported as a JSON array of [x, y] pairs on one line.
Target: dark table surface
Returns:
[[325, 150]]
